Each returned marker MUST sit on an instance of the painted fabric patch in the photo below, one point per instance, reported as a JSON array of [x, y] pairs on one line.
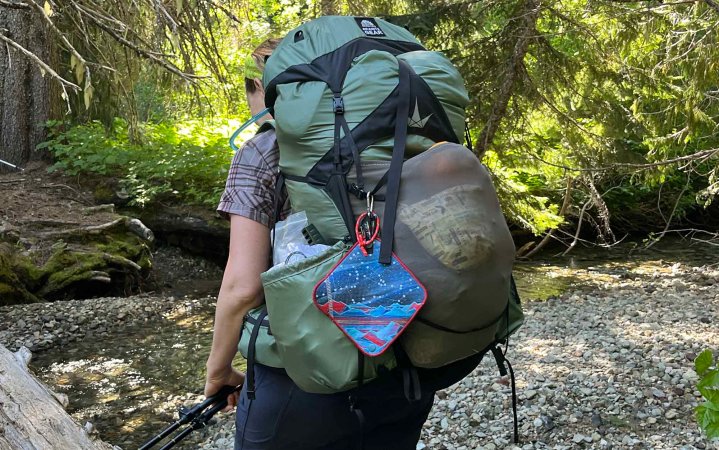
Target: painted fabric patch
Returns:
[[370, 302]]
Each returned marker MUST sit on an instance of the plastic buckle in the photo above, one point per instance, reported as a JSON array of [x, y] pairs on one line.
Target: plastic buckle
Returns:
[[312, 235], [357, 191], [338, 105]]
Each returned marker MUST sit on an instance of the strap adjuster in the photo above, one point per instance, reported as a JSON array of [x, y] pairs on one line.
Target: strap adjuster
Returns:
[[357, 191], [338, 105]]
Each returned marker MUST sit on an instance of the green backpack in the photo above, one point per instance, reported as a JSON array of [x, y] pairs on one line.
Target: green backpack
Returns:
[[364, 112]]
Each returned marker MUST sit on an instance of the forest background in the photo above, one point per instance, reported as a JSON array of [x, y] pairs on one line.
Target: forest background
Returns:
[[598, 119]]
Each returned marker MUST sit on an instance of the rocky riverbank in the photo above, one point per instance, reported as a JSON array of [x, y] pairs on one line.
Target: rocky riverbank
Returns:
[[608, 365]]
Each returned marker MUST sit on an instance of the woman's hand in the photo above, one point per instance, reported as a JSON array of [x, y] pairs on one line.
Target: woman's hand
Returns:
[[230, 377]]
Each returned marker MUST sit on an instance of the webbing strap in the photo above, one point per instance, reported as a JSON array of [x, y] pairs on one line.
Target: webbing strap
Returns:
[[410, 377], [337, 156], [395, 168], [360, 368], [514, 401], [501, 360], [353, 401], [251, 355], [360, 421], [251, 320], [336, 186], [355, 152], [279, 185]]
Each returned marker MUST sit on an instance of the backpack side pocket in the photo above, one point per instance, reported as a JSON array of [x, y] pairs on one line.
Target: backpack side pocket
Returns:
[[315, 353]]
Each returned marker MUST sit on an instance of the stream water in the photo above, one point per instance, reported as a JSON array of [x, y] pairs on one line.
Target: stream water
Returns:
[[129, 387]]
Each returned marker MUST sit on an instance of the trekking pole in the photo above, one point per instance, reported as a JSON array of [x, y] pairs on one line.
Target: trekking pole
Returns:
[[196, 424], [19, 169], [194, 416]]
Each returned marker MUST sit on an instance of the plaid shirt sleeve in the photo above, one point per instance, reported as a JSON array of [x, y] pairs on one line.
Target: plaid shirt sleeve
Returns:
[[250, 188]]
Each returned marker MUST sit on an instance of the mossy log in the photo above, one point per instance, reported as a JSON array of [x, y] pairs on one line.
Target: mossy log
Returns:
[[31, 416], [113, 258], [12, 290]]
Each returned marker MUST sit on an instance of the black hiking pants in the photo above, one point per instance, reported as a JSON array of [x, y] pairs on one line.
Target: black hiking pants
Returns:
[[283, 417]]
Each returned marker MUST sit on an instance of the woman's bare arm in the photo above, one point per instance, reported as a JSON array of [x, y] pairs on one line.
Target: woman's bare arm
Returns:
[[241, 291]]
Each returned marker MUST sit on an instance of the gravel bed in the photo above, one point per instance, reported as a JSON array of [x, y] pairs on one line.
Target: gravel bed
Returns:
[[41, 326], [607, 367]]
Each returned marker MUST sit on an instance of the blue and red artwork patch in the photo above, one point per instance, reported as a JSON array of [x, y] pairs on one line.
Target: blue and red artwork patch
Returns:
[[371, 303]]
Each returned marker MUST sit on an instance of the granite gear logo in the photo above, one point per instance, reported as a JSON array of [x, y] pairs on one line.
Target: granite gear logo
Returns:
[[417, 121], [369, 26]]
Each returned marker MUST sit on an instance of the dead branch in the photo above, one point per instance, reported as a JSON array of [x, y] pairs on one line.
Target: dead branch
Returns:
[[51, 186], [710, 242], [130, 45], [671, 215], [62, 37], [713, 4], [579, 227], [704, 154], [93, 229], [514, 68], [14, 5], [121, 261], [226, 11], [605, 230], [17, 180], [103, 277], [63, 82]]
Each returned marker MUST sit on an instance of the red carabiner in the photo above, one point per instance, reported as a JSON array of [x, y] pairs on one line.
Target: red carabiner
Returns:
[[366, 230]]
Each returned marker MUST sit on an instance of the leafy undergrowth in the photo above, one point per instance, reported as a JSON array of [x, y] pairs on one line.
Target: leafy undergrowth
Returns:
[[184, 162], [708, 412]]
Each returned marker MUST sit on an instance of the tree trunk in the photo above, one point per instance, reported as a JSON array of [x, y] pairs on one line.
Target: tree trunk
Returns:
[[24, 91], [31, 416], [526, 32]]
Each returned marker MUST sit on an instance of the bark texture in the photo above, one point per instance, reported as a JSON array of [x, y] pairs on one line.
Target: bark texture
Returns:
[[24, 91]]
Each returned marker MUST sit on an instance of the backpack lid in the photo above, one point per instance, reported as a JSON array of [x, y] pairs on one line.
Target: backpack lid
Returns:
[[324, 48]]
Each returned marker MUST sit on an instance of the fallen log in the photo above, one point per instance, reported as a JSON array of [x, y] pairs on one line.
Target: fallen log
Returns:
[[31, 416]]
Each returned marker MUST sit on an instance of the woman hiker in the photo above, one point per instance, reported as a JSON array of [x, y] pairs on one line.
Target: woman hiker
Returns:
[[282, 416]]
